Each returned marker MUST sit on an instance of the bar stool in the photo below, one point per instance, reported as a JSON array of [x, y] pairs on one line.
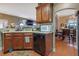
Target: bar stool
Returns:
[[72, 36]]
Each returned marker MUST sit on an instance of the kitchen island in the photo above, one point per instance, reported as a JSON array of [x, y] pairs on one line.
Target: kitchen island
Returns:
[[40, 42]]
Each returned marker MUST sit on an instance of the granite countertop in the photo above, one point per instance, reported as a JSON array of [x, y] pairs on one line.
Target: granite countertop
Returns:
[[26, 31]]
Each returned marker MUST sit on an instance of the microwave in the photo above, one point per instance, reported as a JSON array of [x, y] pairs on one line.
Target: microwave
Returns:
[[46, 28]]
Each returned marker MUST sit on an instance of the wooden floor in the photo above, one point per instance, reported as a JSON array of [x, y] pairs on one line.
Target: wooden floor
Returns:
[[62, 49]]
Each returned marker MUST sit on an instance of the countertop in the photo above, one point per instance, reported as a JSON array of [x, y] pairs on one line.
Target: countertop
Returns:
[[26, 31]]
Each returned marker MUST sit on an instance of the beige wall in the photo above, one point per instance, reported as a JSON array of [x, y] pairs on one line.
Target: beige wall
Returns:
[[63, 20], [9, 18]]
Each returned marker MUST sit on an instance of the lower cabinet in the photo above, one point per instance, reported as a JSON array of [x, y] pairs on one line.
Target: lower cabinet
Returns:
[[7, 42], [7, 45], [28, 41], [18, 43]]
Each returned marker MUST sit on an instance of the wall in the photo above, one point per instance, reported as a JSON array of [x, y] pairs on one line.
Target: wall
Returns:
[[9, 18], [63, 20]]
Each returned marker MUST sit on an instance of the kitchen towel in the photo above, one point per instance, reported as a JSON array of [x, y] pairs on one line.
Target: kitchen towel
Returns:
[[27, 39]]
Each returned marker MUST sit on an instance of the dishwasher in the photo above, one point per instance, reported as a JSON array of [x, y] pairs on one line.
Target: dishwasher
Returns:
[[39, 43]]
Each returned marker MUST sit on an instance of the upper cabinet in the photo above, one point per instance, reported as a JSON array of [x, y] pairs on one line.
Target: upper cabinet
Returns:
[[44, 13], [38, 14]]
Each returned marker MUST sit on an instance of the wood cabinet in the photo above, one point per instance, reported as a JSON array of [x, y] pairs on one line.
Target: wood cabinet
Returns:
[[38, 14], [7, 42], [49, 43], [44, 13], [18, 41], [29, 43]]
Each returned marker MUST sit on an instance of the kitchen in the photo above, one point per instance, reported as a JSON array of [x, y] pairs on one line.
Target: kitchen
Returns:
[[30, 29], [21, 33]]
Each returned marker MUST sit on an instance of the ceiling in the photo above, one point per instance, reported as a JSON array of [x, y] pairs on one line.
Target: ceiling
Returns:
[[66, 12], [26, 10]]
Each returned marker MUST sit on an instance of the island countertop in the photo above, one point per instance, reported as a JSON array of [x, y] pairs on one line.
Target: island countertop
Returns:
[[26, 31]]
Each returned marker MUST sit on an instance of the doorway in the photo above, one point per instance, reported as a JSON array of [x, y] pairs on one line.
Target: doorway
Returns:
[[66, 32]]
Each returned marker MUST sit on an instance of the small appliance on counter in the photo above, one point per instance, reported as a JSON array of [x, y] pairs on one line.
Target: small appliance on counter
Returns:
[[46, 28], [36, 27]]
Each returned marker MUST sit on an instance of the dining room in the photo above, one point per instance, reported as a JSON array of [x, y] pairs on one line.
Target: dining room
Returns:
[[66, 31]]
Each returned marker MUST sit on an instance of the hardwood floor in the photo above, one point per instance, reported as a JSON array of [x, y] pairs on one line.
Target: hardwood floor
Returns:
[[62, 49]]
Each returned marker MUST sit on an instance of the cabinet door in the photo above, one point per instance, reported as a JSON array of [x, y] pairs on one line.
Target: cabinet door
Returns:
[[46, 13], [18, 42], [28, 42], [49, 43], [7, 44], [38, 15]]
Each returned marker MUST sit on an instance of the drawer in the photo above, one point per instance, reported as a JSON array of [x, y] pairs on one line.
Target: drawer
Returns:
[[18, 34], [26, 34], [7, 35], [18, 37]]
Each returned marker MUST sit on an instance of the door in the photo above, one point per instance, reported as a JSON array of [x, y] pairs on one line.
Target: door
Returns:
[[7, 44], [18, 43], [38, 15], [28, 42], [45, 13]]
